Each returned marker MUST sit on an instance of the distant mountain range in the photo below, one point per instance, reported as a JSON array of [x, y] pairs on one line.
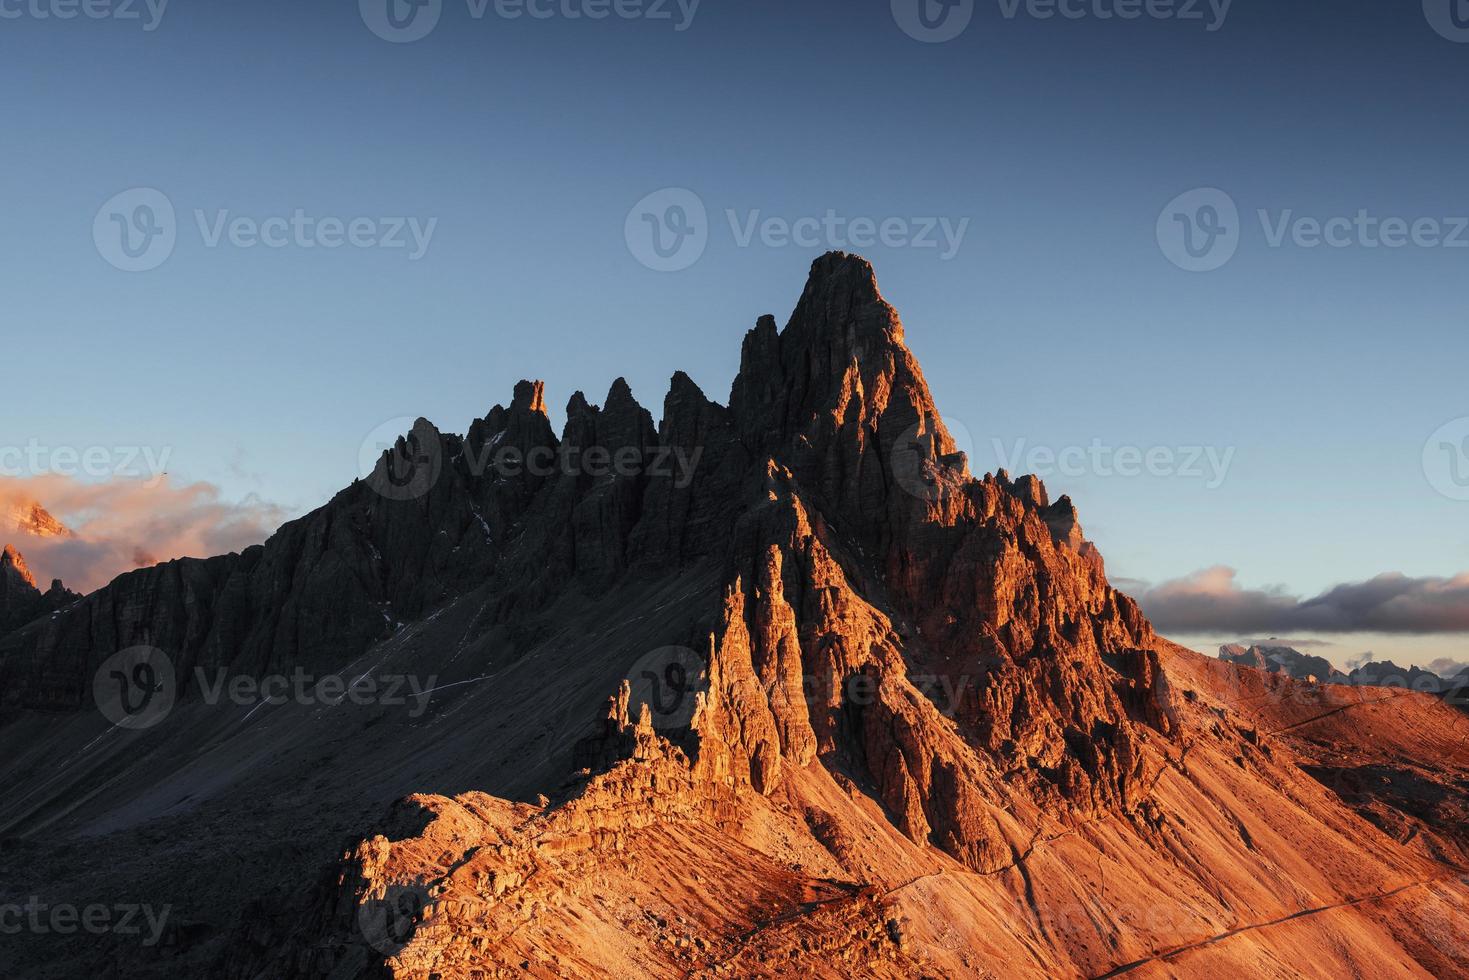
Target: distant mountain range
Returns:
[[1384, 673]]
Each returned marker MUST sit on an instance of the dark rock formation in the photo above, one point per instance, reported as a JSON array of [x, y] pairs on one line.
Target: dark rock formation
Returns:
[[21, 601]]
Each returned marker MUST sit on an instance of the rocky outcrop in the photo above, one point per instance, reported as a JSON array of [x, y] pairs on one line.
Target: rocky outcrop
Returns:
[[21, 601], [15, 575]]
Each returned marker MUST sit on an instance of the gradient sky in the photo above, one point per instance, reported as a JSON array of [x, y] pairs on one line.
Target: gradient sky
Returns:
[[1059, 321]]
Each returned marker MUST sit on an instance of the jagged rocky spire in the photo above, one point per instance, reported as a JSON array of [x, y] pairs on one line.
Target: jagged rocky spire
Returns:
[[13, 570]]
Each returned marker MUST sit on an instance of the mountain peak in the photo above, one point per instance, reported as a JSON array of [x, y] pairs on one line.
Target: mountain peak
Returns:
[[530, 396], [839, 397], [841, 294], [24, 516], [845, 270], [13, 566]]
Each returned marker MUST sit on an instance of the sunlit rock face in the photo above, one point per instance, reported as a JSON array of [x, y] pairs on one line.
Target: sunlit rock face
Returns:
[[14, 573], [28, 517]]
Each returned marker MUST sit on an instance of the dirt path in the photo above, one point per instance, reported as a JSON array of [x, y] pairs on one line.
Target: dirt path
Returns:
[[1334, 711], [1304, 913]]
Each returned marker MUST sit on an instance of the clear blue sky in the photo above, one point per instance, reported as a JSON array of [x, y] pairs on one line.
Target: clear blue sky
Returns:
[[1059, 321]]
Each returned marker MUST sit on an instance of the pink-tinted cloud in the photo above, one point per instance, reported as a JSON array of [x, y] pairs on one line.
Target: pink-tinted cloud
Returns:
[[1447, 667], [122, 524], [1212, 600]]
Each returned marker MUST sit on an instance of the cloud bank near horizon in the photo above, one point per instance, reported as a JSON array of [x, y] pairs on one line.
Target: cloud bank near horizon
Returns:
[[123, 524], [1212, 600]]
